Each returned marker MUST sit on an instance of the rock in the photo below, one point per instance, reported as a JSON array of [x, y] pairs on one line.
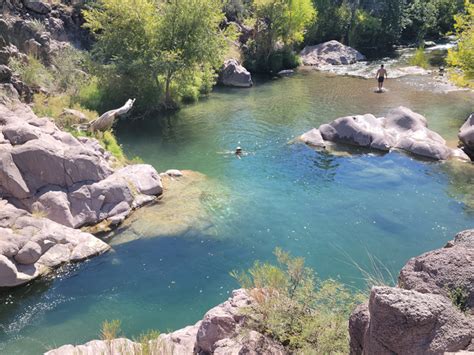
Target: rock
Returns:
[[102, 347], [398, 321], [222, 331], [173, 173], [37, 6], [286, 72], [313, 138], [443, 270], [30, 245], [401, 129], [70, 180], [429, 44], [234, 74], [466, 135], [330, 53], [5, 74], [75, 115]]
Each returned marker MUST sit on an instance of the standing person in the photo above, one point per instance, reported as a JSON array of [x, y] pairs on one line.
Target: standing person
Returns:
[[380, 76]]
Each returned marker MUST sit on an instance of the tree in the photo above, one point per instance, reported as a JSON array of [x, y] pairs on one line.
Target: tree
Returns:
[[463, 56], [151, 49], [188, 38], [279, 24]]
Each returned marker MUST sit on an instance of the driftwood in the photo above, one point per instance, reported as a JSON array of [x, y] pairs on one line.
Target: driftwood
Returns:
[[106, 121]]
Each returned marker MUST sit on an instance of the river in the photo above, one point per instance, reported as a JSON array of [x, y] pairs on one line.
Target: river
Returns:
[[332, 209]]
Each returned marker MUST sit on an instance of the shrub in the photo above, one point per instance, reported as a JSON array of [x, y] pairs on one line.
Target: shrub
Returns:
[[32, 72], [419, 58], [296, 308], [459, 296], [110, 329]]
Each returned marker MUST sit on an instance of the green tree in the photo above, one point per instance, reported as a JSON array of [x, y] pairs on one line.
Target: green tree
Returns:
[[463, 56], [279, 24], [150, 49]]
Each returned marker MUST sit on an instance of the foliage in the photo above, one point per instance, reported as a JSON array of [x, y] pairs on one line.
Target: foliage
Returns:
[[110, 329], [279, 25], [463, 56], [334, 19], [419, 58], [430, 18], [32, 72], [144, 341], [366, 31], [296, 308], [109, 142], [459, 296], [151, 49]]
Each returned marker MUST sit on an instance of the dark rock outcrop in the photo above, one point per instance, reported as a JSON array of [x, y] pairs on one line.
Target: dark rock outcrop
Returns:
[[422, 315], [399, 321], [400, 129]]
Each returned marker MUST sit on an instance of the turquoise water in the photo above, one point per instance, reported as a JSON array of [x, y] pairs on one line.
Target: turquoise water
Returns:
[[329, 209]]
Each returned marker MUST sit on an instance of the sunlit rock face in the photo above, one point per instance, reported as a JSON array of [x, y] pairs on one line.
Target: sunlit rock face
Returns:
[[71, 180], [32, 245], [401, 129], [234, 74], [430, 312], [330, 53]]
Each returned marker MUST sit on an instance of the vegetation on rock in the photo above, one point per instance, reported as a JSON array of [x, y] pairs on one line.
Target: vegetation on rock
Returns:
[[296, 308]]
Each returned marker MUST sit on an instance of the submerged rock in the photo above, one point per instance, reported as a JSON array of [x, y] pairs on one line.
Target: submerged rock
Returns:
[[234, 74], [400, 129], [222, 331], [31, 245], [330, 53], [70, 180]]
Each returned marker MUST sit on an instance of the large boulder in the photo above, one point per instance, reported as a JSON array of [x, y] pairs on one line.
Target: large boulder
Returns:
[[330, 53], [401, 129], [234, 74], [443, 271], [31, 245], [72, 181], [466, 135], [398, 321], [5, 74]]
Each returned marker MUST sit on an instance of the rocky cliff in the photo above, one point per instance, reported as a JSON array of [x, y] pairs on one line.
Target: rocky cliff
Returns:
[[430, 312]]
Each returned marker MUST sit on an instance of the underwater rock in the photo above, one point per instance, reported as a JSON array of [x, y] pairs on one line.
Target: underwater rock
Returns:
[[234, 74], [330, 53], [401, 129], [70, 180], [31, 245]]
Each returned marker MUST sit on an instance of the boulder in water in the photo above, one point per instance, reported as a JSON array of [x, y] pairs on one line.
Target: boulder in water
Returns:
[[330, 53], [466, 135], [400, 129], [234, 74]]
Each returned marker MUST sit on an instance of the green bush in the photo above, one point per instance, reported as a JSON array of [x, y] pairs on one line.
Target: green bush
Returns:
[[296, 308], [32, 72], [419, 58]]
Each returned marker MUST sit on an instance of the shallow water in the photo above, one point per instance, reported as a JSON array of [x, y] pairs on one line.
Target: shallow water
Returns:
[[330, 209]]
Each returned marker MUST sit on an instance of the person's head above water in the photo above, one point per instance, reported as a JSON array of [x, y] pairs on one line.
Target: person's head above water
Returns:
[[381, 66], [238, 150]]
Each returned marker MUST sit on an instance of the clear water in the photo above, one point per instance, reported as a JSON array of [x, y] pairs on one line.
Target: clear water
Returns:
[[329, 209]]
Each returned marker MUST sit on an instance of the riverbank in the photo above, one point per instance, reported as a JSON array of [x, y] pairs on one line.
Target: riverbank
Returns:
[[431, 310]]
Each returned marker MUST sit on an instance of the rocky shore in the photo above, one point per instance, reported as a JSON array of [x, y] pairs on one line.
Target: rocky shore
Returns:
[[422, 315], [401, 129], [52, 182]]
